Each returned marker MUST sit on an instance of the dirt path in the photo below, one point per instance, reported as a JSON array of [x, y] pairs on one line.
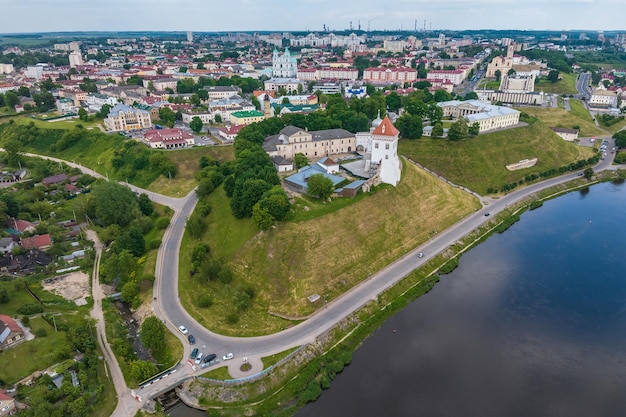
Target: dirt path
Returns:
[[126, 404]]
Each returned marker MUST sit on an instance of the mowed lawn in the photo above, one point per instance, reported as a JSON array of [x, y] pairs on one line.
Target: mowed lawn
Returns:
[[579, 116], [331, 254], [34, 355], [188, 164], [479, 163]]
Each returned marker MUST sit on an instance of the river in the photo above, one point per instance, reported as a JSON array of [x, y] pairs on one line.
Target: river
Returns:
[[532, 323]]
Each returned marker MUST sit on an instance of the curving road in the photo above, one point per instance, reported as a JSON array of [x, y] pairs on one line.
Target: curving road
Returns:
[[167, 305]]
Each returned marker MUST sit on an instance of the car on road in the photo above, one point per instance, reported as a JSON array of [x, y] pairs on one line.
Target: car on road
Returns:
[[183, 329], [192, 340], [487, 214], [210, 357], [194, 353], [199, 358], [228, 357], [420, 255]]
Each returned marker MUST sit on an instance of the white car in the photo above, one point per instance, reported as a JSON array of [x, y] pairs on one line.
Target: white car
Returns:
[[199, 358], [183, 329], [420, 255], [228, 357]]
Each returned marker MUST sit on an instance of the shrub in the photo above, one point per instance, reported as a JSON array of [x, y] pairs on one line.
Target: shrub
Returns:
[[162, 223], [154, 244], [41, 333], [232, 318], [205, 301], [30, 308]]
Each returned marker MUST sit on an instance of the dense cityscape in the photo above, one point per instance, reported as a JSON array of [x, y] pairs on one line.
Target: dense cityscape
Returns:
[[221, 219]]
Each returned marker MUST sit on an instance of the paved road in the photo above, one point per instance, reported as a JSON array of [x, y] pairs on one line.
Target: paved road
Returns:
[[168, 308], [582, 85]]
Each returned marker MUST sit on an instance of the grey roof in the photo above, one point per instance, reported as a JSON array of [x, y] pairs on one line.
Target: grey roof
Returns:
[[278, 160], [331, 134], [221, 88], [355, 184], [301, 177], [290, 130]]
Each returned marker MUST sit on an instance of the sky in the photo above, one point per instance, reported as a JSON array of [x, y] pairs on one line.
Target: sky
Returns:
[[20, 16]]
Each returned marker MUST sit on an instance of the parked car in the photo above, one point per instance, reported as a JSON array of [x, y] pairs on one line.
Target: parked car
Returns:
[[228, 357], [194, 353], [192, 340], [199, 358], [210, 357], [183, 329]]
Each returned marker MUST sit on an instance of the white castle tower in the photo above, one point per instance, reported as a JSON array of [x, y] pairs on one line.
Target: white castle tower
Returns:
[[385, 151], [284, 66]]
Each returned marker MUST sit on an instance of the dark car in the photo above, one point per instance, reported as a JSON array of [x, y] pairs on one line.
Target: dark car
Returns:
[[192, 340], [210, 357], [487, 214], [194, 353]]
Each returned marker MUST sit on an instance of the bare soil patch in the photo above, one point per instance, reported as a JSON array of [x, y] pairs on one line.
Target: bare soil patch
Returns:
[[71, 286]]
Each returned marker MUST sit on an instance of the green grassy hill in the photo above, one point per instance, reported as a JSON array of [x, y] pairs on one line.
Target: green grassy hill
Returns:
[[479, 163], [326, 255]]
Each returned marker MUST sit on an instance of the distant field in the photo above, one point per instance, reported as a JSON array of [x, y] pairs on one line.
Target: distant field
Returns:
[[479, 163]]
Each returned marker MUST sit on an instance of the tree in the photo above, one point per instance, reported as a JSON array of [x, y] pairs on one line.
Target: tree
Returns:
[[13, 148], [153, 335], [196, 124], [588, 173], [142, 370], [218, 118], [437, 130], [115, 204], [620, 139], [82, 114], [498, 75], [458, 130], [11, 99], [511, 72], [394, 102], [410, 126], [23, 91], [4, 296], [133, 241], [167, 116], [104, 111], [474, 129], [300, 160], [145, 205], [262, 217], [553, 76], [320, 186]]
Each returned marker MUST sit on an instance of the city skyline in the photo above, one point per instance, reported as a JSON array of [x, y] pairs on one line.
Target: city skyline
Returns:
[[310, 15]]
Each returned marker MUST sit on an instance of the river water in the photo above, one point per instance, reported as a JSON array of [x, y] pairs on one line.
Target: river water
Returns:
[[532, 323]]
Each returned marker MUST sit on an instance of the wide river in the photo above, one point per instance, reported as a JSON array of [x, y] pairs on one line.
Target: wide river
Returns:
[[532, 323]]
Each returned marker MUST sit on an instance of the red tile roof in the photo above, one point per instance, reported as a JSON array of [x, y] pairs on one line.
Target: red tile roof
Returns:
[[386, 128], [10, 323], [38, 241]]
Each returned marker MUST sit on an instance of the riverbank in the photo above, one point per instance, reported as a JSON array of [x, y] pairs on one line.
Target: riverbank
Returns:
[[282, 391]]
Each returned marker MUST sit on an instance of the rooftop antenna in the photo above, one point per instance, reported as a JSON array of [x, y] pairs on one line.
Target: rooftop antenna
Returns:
[[359, 25], [424, 25], [351, 25], [415, 26]]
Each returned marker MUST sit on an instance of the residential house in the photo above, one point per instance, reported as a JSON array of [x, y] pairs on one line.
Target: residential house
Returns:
[[298, 182], [10, 332], [7, 404], [217, 92], [41, 242], [330, 166], [54, 179], [384, 75], [6, 245], [229, 132], [246, 117]]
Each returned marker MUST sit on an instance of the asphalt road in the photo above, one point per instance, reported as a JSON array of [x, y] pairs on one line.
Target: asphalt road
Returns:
[[167, 305], [169, 309]]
